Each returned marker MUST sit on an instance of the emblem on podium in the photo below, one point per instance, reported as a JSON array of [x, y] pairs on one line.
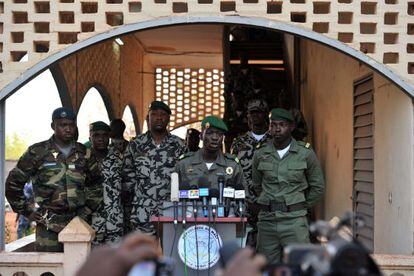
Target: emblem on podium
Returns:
[[204, 239]]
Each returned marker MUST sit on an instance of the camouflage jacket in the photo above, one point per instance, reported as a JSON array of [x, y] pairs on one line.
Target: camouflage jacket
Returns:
[[243, 147], [107, 220], [63, 187], [146, 177]]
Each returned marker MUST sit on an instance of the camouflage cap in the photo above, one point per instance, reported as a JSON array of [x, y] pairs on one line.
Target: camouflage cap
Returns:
[[213, 121], [257, 105], [63, 113], [99, 125], [281, 114], [160, 105]]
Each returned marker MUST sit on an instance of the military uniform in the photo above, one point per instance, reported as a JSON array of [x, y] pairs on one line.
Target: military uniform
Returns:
[[192, 166], [108, 219], [286, 187], [244, 148], [146, 174], [64, 187]]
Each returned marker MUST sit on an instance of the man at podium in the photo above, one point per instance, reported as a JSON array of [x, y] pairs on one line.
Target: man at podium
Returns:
[[210, 162]]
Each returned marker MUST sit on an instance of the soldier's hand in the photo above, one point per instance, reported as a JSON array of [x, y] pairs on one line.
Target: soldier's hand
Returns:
[[35, 216]]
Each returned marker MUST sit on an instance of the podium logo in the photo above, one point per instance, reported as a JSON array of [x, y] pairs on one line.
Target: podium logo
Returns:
[[207, 242]]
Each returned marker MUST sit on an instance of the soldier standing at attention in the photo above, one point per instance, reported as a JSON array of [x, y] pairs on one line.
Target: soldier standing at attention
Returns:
[[244, 147], [149, 161], [65, 183], [210, 162], [107, 220], [288, 180]]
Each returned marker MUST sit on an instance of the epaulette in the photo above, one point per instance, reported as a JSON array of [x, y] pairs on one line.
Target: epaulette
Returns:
[[304, 144], [185, 155], [232, 157], [261, 144]]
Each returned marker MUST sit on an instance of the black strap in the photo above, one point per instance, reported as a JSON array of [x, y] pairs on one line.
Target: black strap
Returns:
[[282, 207]]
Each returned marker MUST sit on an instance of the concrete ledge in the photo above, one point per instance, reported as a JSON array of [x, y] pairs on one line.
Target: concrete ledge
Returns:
[[31, 259], [390, 264]]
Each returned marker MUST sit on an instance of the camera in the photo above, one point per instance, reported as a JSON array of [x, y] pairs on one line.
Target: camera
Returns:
[[160, 267], [337, 254]]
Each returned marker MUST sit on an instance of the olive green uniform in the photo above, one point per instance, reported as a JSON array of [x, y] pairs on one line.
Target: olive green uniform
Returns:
[[192, 166], [287, 187], [64, 187]]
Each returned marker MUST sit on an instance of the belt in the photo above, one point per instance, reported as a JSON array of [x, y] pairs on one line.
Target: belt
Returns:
[[282, 207]]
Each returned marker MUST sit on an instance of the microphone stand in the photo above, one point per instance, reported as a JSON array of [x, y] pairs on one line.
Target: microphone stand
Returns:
[[195, 233]]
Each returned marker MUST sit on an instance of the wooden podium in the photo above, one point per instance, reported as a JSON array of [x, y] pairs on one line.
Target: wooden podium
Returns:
[[227, 228]]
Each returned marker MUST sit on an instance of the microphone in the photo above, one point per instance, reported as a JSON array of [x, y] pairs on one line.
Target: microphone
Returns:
[[220, 210], [184, 187], [228, 194], [214, 194], [240, 195], [194, 195], [174, 197], [203, 185]]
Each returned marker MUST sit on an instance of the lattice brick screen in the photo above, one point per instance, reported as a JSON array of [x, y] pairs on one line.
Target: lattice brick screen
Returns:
[[191, 94]]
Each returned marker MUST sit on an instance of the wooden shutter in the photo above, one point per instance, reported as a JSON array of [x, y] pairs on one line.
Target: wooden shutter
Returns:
[[363, 186]]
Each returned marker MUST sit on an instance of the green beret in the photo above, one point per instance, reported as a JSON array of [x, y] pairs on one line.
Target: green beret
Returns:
[[63, 113], [99, 125], [160, 105], [281, 114], [213, 121]]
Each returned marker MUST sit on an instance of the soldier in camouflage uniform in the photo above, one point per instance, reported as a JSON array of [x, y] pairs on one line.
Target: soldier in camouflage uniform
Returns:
[[149, 161], [244, 147], [209, 162], [107, 220], [65, 183]]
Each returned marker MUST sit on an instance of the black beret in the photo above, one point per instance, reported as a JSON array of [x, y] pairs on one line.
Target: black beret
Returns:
[[99, 125], [63, 113], [160, 105]]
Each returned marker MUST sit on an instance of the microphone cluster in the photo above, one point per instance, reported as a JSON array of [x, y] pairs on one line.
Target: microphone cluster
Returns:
[[227, 200]]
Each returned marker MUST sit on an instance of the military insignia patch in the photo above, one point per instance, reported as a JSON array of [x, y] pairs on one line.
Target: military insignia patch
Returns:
[[229, 170], [237, 160], [307, 145], [71, 166]]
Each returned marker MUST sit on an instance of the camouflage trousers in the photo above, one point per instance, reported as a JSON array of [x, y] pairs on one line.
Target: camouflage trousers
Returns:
[[46, 240]]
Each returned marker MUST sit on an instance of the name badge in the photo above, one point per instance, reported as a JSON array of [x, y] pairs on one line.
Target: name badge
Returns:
[[50, 164], [71, 166]]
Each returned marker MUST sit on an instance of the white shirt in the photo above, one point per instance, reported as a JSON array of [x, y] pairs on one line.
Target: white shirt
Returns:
[[283, 152], [258, 137], [209, 165]]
